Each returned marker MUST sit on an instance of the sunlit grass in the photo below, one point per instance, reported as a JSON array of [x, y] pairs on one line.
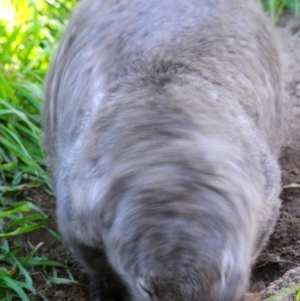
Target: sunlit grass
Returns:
[[29, 31]]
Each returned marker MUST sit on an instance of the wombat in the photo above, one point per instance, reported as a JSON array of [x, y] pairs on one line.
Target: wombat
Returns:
[[162, 125]]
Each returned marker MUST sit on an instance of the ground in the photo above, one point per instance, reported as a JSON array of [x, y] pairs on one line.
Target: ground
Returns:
[[283, 251]]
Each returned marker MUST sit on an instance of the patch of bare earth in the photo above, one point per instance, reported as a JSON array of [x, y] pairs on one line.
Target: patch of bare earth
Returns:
[[283, 250], [273, 268]]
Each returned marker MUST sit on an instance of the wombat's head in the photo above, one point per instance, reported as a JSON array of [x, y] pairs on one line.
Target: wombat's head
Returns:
[[180, 249], [193, 274], [187, 288], [203, 285]]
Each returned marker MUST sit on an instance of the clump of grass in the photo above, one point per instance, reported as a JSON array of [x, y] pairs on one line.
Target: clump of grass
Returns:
[[16, 270], [29, 31], [276, 7]]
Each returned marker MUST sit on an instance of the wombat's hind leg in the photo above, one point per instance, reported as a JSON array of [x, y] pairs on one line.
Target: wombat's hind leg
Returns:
[[105, 284]]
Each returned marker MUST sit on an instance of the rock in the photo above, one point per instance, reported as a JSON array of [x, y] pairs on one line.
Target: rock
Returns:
[[284, 288]]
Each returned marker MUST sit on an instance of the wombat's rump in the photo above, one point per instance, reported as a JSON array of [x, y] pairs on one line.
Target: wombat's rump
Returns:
[[162, 126]]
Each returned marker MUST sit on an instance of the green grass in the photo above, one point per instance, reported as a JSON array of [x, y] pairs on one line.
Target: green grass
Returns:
[[29, 32], [16, 270], [275, 7]]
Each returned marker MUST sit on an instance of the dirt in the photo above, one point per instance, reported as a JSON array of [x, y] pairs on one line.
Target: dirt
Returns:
[[283, 251]]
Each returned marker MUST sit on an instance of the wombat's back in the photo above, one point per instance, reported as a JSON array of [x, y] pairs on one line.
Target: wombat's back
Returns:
[[162, 127], [228, 45]]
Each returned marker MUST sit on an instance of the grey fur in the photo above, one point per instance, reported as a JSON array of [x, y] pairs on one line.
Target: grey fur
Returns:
[[162, 126]]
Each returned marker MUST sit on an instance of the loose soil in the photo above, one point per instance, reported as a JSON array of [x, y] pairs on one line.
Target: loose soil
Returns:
[[283, 251]]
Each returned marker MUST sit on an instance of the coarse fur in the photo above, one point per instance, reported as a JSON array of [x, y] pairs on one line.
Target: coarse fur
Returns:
[[162, 125]]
